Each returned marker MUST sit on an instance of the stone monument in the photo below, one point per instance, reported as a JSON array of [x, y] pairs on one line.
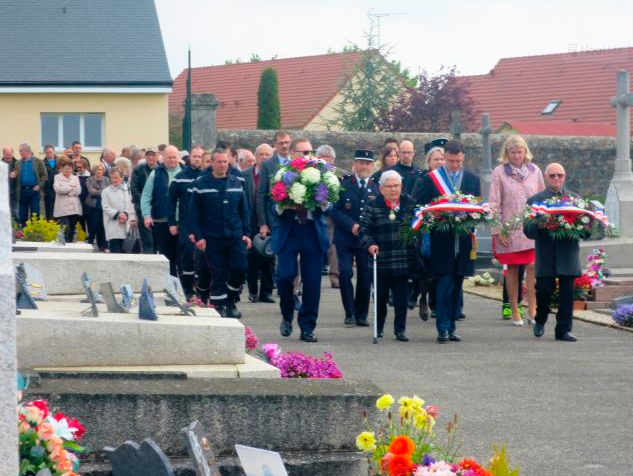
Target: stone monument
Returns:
[[456, 124], [9, 455], [203, 119], [485, 173], [620, 194], [130, 459]]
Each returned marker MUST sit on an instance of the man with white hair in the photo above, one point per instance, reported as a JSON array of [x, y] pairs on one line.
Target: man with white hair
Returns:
[[154, 206], [245, 159], [107, 158]]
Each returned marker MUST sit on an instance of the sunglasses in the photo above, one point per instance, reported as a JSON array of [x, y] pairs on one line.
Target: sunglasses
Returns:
[[553, 176], [306, 152]]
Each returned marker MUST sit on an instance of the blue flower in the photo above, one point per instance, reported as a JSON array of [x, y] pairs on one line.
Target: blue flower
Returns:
[[289, 178]]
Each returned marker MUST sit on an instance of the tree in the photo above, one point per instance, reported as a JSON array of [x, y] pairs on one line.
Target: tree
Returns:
[[268, 110], [367, 94], [428, 107]]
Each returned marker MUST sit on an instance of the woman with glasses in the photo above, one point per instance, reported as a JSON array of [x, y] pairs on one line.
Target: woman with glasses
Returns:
[[381, 234], [513, 181]]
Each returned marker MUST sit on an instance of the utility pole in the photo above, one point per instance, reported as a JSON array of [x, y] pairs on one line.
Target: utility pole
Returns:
[[374, 28]]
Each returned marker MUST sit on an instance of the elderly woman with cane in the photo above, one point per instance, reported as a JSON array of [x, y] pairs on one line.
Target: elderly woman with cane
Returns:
[[382, 226]]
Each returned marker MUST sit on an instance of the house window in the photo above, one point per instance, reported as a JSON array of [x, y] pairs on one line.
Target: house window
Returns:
[[61, 130], [551, 107]]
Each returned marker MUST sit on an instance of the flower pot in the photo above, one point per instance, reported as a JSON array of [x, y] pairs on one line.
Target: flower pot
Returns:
[[580, 305]]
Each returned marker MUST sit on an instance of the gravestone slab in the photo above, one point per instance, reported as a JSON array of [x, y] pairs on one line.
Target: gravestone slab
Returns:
[[199, 449], [146, 306], [184, 308], [130, 459], [110, 300], [91, 296], [23, 298], [620, 301], [35, 282], [174, 291]]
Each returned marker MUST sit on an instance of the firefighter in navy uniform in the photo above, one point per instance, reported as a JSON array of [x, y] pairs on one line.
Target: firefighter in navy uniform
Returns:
[[219, 219], [358, 189], [177, 211]]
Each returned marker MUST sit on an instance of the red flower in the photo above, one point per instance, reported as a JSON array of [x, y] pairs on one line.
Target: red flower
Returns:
[[41, 405], [473, 467], [400, 465], [299, 163], [402, 445], [432, 410]]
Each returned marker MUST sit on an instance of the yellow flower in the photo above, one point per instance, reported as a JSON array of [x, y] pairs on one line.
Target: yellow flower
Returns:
[[406, 406], [384, 402], [417, 403], [366, 441], [424, 421]]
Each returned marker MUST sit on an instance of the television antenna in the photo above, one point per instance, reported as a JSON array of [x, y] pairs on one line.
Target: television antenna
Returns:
[[374, 27]]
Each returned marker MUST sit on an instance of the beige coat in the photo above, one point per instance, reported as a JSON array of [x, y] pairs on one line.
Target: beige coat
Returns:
[[113, 201], [67, 191]]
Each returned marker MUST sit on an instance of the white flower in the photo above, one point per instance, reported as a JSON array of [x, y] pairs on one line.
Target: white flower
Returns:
[[475, 215], [458, 219], [62, 429], [580, 227], [585, 219], [310, 175], [279, 175], [297, 192], [331, 180], [567, 225], [486, 276]]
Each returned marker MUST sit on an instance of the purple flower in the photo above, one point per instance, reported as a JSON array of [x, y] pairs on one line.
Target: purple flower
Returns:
[[427, 460], [321, 193], [623, 315], [289, 178]]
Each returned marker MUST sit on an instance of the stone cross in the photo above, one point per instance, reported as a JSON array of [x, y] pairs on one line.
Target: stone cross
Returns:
[[203, 119], [486, 156], [620, 194], [456, 124], [9, 454]]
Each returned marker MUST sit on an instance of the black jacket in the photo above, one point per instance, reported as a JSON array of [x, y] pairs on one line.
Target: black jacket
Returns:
[[553, 257], [395, 254], [410, 175], [349, 208], [179, 194], [139, 177], [218, 208], [443, 259]]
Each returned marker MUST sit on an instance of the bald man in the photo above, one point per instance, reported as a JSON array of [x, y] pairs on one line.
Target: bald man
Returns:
[[409, 172], [154, 206], [554, 259]]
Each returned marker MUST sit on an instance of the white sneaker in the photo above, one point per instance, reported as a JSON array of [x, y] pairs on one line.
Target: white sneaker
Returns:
[[517, 323]]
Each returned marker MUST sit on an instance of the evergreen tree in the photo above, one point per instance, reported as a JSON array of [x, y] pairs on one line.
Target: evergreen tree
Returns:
[[368, 93], [268, 110]]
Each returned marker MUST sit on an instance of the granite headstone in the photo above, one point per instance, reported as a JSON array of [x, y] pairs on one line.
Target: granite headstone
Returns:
[[130, 459], [23, 298], [146, 307], [91, 297], [200, 451], [110, 299]]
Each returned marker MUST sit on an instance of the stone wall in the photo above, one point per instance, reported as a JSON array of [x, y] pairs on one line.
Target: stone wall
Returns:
[[589, 161]]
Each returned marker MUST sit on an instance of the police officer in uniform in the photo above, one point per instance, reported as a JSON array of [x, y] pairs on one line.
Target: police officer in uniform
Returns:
[[358, 189], [179, 193], [219, 219]]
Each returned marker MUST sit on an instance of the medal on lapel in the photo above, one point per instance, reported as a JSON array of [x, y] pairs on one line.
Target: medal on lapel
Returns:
[[392, 215]]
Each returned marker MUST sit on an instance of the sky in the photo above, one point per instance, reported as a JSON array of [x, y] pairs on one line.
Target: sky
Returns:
[[422, 34]]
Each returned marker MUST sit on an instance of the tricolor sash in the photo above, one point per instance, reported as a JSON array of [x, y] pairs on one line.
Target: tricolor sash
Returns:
[[441, 181]]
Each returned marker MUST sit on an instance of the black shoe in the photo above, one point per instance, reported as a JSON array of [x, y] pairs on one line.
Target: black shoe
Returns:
[[443, 338], [539, 330], [362, 322], [461, 317], [285, 328], [567, 337], [380, 334], [454, 337], [424, 311], [252, 298], [324, 271], [295, 298], [308, 337], [411, 303], [350, 321], [232, 311], [402, 337], [266, 298], [221, 310]]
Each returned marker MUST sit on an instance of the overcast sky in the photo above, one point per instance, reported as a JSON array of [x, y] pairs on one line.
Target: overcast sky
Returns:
[[472, 35]]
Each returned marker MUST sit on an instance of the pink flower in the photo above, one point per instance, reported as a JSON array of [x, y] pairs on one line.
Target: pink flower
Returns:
[[299, 163], [279, 192], [42, 405], [271, 351], [251, 339], [45, 431]]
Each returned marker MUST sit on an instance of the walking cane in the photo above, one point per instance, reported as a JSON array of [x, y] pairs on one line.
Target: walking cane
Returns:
[[375, 299]]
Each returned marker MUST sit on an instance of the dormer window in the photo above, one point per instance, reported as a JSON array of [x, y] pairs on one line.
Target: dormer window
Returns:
[[551, 107]]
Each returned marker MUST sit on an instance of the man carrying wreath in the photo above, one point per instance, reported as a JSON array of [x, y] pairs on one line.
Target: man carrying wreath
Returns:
[[555, 258], [452, 254]]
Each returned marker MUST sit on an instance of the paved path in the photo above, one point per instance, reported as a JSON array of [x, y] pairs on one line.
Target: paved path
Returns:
[[560, 408]]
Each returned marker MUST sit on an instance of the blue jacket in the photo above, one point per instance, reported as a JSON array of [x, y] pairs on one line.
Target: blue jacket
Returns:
[[218, 208], [282, 224], [160, 195], [179, 193], [348, 209]]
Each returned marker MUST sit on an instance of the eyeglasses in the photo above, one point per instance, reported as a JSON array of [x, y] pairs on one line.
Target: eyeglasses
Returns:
[[553, 176], [306, 152]]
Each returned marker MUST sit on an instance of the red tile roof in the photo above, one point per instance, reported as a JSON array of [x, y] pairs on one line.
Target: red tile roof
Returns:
[[555, 128], [306, 85], [518, 89]]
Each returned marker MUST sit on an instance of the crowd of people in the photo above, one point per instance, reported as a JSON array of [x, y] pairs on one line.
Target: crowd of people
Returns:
[[211, 214]]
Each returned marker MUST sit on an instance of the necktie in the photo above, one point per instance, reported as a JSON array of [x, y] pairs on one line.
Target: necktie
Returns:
[[454, 178], [362, 185]]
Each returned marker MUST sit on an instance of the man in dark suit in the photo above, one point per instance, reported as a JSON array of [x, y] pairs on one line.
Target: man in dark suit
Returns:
[[451, 258], [258, 265], [299, 232], [554, 259], [358, 190], [264, 203]]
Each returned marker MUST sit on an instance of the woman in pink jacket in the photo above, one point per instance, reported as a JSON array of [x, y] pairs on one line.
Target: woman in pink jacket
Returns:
[[67, 205], [514, 180]]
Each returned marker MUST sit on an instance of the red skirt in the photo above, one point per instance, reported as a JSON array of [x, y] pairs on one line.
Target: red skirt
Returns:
[[516, 258]]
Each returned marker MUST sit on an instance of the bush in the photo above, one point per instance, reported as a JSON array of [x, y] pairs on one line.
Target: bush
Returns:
[[268, 109], [40, 229]]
